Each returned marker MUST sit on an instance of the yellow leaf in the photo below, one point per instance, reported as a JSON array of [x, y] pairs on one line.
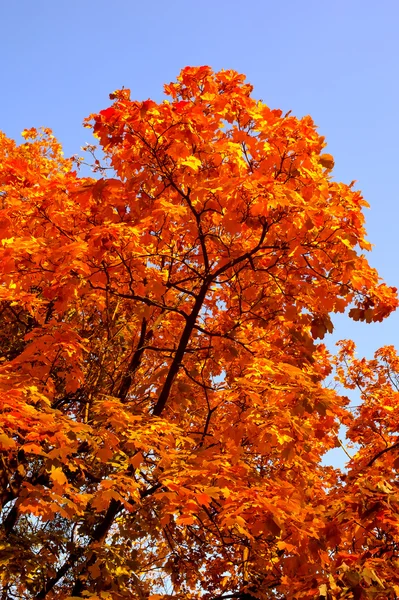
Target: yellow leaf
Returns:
[[6, 442], [323, 590], [57, 475], [193, 162], [214, 492]]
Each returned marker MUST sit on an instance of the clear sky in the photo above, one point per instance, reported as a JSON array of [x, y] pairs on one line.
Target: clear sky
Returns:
[[336, 60]]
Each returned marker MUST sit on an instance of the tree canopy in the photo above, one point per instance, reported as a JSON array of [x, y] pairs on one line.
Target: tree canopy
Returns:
[[165, 397]]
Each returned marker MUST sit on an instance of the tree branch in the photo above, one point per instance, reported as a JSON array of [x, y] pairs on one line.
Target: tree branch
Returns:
[[185, 338], [135, 362], [379, 454], [98, 535]]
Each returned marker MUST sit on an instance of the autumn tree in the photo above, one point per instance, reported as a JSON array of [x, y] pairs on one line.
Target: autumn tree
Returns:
[[164, 397]]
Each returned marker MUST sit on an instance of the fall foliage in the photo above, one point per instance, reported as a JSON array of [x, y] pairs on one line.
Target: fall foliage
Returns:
[[165, 397]]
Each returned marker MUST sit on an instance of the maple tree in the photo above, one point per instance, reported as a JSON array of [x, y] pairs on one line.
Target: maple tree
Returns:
[[164, 392]]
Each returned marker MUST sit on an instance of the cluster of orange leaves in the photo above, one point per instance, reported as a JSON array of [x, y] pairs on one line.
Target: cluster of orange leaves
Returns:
[[164, 397]]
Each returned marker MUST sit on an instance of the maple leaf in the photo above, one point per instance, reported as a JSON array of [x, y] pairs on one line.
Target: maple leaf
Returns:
[[6, 442], [193, 162], [58, 476]]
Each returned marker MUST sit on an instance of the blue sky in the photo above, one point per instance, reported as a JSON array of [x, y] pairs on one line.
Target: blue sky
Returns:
[[337, 61]]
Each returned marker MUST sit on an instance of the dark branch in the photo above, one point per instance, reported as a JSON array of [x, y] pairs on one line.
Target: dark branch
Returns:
[[379, 454], [98, 534], [135, 362], [185, 338]]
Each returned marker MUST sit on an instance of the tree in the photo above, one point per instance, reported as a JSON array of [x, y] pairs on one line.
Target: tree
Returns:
[[164, 396]]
